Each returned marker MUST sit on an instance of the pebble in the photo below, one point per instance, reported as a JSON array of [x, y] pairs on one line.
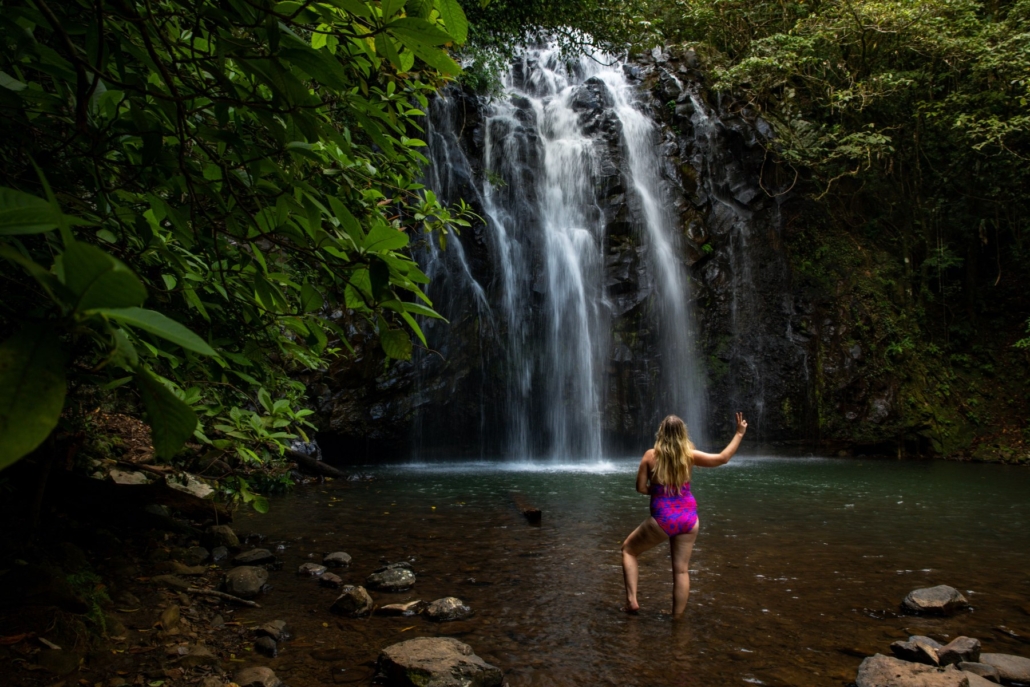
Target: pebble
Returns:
[[245, 581], [330, 580], [275, 629], [198, 655], [170, 582], [392, 578], [353, 601], [219, 554], [266, 646], [447, 609], [257, 676]]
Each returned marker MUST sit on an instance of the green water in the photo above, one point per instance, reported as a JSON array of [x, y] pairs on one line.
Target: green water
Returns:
[[798, 571]]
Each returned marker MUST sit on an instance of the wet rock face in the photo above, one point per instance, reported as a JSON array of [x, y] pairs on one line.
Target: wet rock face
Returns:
[[884, 671], [435, 662]]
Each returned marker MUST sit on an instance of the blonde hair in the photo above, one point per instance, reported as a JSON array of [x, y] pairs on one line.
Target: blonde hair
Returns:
[[673, 454]]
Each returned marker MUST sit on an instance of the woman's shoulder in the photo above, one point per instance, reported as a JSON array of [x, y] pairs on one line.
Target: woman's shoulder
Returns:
[[648, 457]]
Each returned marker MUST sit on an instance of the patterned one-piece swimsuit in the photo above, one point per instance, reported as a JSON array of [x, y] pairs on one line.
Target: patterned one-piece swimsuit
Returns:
[[674, 513]]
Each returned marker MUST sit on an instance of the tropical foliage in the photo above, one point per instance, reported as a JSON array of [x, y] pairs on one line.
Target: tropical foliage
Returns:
[[249, 170]]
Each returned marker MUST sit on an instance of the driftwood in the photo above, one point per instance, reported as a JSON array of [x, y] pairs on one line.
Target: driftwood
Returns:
[[222, 595], [102, 495], [308, 464], [533, 515]]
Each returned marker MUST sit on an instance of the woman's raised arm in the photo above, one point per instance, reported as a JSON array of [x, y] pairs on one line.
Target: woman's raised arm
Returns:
[[714, 460]]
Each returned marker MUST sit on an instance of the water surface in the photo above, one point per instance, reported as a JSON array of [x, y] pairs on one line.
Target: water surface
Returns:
[[798, 571]]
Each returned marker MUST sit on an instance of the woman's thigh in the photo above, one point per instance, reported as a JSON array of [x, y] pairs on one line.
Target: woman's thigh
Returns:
[[682, 546], [646, 536]]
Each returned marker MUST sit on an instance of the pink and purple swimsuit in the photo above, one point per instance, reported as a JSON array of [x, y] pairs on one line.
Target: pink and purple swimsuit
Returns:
[[674, 513]]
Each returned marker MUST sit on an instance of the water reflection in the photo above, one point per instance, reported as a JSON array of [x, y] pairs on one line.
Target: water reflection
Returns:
[[798, 571]]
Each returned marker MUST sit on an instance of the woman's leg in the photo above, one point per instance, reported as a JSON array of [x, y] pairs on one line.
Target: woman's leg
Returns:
[[646, 536], [682, 546]]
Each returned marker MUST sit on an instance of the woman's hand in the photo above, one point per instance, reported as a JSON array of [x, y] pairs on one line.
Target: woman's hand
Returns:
[[741, 424]]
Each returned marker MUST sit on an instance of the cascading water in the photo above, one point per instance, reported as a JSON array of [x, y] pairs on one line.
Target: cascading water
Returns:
[[565, 139]]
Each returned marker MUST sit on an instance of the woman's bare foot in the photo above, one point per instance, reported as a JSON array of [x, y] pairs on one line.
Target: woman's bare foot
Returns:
[[631, 608]]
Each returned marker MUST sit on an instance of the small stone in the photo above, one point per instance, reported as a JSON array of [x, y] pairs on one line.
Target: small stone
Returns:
[[266, 646], [198, 655], [195, 555], [1010, 668], [170, 582], [353, 601], [127, 600], [977, 681], [311, 569], [117, 682], [128, 477], [447, 609], [257, 676], [222, 535], [436, 662], [939, 600], [885, 671], [245, 581], [218, 621], [177, 568], [219, 554], [254, 557], [170, 618], [330, 580], [981, 669], [275, 629], [158, 509], [960, 649], [392, 578], [917, 649], [211, 681], [337, 559], [410, 608]]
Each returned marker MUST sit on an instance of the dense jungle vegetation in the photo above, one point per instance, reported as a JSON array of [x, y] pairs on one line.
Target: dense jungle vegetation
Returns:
[[200, 200]]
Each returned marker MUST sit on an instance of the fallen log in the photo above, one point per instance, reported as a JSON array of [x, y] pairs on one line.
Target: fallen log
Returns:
[[70, 488], [222, 595], [308, 464], [533, 515]]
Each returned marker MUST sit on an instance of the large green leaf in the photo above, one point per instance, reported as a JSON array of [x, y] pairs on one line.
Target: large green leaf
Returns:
[[385, 237], [396, 343], [32, 390], [454, 18], [434, 57], [171, 421], [45, 278], [159, 325], [22, 213], [419, 30], [98, 280]]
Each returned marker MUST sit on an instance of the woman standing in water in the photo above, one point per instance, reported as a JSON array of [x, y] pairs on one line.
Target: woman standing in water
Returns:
[[665, 473]]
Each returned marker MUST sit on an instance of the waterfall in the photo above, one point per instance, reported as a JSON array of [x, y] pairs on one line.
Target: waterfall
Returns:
[[558, 165]]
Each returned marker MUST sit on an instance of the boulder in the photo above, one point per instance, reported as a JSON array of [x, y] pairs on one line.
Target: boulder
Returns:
[[436, 662], [939, 600], [254, 557], [410, 608], [981, 669], [397, 577], [336, 559], [353, 601], [245, 581], [257, 676], [959, 649], [1010, 668], [885, 671], [310, 569], [222, 535], [917, 649], [330, 580], [446, 609]]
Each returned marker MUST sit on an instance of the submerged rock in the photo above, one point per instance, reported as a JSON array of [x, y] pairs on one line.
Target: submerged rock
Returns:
[[960, 649], [330, 580], [436, 662], [257, 676], [195, 555], [254, 557], [219, 554], [396, 577], [337, 559], [446, 609], [275, 629], [353, 601], [266, 646], [310, 569], [939, 600], [246, 581], [197, 655], [884, 671], [1010, 668]]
